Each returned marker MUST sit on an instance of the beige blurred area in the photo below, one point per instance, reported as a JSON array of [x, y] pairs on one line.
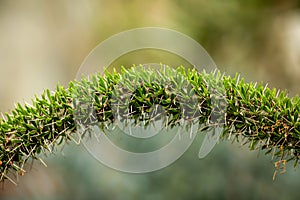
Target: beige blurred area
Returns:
[[43, 43]]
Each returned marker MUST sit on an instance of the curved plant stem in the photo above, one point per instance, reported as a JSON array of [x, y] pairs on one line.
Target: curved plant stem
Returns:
[[250, 113]]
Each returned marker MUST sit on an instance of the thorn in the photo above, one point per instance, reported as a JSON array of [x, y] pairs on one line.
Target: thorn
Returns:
[[42, 162], [277, 94], [238, 79], [265, 88], [4, 175]]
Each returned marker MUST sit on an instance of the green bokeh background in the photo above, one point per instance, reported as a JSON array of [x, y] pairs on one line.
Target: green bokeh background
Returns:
[[45, 42]]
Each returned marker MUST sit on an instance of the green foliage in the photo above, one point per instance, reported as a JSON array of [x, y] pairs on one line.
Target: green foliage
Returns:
[[252, 114]]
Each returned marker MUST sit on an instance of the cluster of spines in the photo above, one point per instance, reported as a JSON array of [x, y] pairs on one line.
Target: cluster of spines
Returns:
[[263, 117], [267, 118], [31, 129]]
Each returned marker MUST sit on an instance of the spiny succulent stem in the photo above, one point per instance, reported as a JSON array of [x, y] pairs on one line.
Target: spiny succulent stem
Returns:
[[267, 119]]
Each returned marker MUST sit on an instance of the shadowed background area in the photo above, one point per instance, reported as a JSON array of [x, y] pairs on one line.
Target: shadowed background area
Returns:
[[43, 43]]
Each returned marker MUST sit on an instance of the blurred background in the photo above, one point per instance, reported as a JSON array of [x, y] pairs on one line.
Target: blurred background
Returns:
[[45, 42]]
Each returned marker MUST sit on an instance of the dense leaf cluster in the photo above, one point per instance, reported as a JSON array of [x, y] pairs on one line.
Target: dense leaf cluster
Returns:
[[259, 116]]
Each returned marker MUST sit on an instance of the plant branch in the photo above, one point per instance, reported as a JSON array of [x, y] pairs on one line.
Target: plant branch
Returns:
[[265, 118]]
